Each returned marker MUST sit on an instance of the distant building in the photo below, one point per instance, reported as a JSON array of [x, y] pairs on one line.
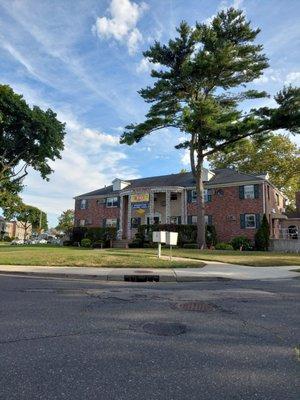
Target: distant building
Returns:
[[291, 226], [234, 203], [13, 229]]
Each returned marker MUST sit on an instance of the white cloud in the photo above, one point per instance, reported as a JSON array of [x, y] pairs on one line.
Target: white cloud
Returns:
[[270, 75], [185, 158], [121, 25], [293, 78], [145, 66], [100, 138], [224, 5]]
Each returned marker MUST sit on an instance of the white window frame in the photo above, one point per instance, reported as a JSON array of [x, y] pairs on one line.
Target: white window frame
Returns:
[[82, 222], [111, 222], [194, 196], [174, 220], [206, 219], [249, 192], [112, 202], [246, 221], [205, 195], [194, 219], [83, 204]]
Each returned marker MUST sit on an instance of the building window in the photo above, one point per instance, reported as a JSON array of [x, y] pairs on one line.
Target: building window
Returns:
[[175, 220], [194, 219], [82, 222], [268, 192], [250, 221], [206, 195], [135, 222], [83, 204], [173, 196], [111, 222], [112, 202], [101, 201], [194, 196], [249, 192], [277, 199]]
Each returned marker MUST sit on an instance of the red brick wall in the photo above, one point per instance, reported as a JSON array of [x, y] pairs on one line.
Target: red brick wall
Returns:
[[95, 213], [226, 210], [271, 204], [298, 202]]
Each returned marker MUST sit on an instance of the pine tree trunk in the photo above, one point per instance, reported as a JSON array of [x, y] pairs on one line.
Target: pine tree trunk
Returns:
[[200, 206]]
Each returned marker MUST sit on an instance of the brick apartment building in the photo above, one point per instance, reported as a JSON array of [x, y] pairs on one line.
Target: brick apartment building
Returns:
[[13, 229], [234, 203]]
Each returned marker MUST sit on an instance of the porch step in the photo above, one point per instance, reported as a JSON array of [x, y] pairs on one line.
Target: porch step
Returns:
[[120, 244]]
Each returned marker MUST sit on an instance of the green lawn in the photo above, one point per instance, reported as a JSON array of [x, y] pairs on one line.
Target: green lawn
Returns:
[[79, 257], [251, 258], [137, 258]]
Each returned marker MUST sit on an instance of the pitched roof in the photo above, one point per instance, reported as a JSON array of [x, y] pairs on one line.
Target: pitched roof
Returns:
[[229, 175], [183, 179]]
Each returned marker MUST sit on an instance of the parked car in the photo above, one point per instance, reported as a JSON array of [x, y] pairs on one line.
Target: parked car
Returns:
[[42, 241], [17, 241]]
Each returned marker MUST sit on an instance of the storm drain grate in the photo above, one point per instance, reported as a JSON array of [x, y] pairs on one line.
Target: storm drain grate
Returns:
[[164, 328], [141, 278], [198, 306]]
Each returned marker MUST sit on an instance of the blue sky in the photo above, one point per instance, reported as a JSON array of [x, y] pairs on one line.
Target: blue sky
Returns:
[[84, 60]]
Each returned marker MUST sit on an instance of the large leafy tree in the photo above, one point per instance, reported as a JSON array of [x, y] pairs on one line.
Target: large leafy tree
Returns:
[[66, 221], [28, 217], [276, 154], [29, 137], [199, 89]]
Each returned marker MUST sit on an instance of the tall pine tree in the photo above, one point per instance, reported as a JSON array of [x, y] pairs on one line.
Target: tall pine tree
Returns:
[[199, 89]]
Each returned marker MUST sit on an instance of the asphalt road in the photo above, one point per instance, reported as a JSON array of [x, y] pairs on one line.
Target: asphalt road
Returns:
[[76, 339]]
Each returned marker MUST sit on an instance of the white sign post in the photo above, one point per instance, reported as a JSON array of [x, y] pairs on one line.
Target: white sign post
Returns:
[[159, 237], [171, 240]]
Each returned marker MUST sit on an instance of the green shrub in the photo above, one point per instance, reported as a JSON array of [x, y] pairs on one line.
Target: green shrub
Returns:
[[223, 246], [190, 246], [134, 245], [101, 234], [86, 242], [97, 245], [186, 233], [262, 236], [241, 243], [67, 243]]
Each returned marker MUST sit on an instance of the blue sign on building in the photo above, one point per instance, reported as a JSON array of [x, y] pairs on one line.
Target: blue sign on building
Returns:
[[140, 205]]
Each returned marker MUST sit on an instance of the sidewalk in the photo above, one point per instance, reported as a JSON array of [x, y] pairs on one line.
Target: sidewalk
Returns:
[[212, 271]]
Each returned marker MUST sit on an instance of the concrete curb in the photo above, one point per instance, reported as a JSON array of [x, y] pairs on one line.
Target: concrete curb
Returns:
[[116, 278]]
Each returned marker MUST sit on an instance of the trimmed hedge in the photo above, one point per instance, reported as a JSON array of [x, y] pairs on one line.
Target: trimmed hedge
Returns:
[[187, 234], [190, 246], [95, 235], [223, 246]]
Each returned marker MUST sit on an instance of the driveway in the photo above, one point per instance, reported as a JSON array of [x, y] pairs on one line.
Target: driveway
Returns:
[[84, 339]]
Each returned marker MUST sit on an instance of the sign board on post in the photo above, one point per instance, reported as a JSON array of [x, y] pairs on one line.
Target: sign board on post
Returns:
[[172, 238], [159, 237]]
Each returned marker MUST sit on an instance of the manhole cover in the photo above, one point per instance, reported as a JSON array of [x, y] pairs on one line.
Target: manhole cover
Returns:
[[164, 328], [196, 306]]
